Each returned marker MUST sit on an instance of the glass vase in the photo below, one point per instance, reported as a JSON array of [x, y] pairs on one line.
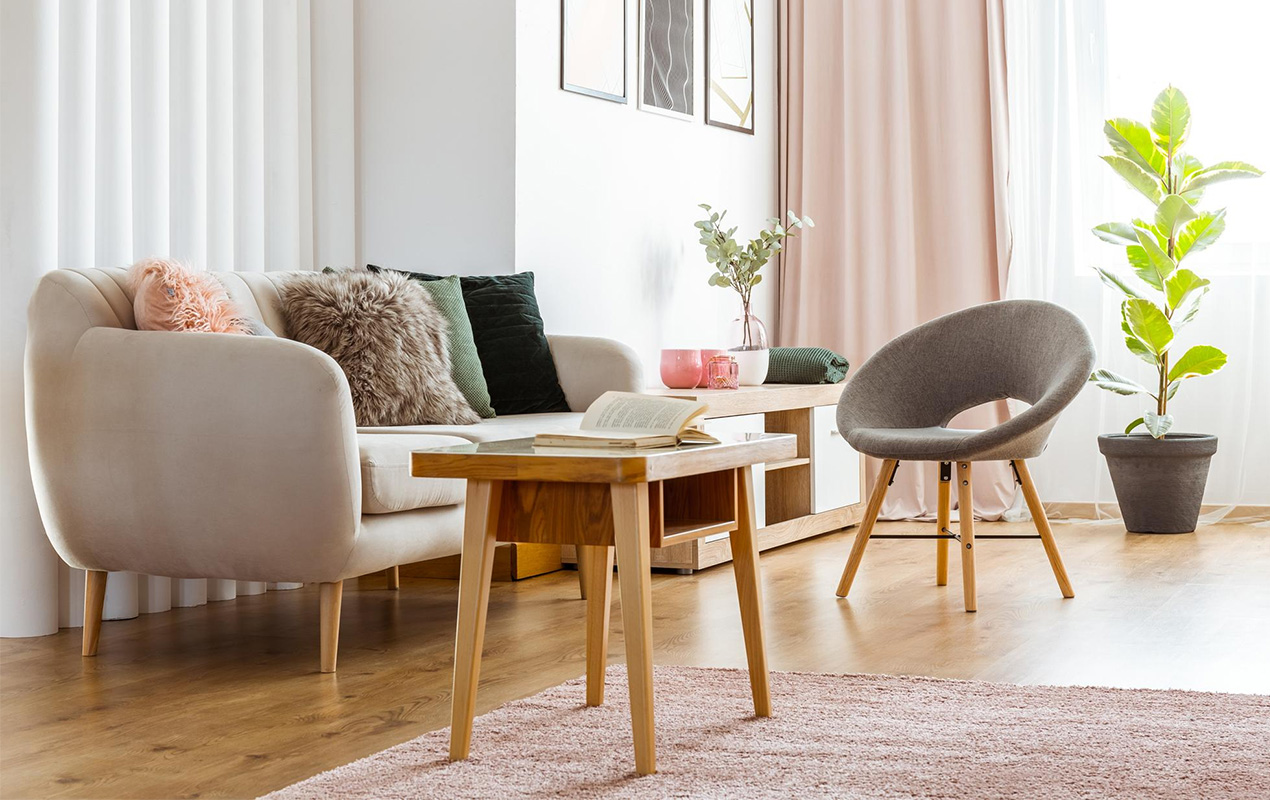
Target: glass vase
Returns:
[[749, 347]]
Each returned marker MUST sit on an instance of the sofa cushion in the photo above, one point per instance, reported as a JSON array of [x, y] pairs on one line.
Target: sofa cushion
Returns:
[[516, 426], [510, 338], [388, 486]]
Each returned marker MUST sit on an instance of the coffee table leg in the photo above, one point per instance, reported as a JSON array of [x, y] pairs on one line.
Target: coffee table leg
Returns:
[[631, 533], [750, 592], [599, 588], [477, 565]]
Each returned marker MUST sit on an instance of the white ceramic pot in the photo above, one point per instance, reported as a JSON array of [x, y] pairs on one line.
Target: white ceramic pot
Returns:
[[751, 366]]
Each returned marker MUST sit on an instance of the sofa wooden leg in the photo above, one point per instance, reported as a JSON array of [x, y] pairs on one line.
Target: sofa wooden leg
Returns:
[[94, 600], [394, 577], [331, 595]]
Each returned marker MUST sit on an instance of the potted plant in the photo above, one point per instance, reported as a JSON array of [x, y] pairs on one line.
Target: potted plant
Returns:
[[1159, 476], [737, 267]]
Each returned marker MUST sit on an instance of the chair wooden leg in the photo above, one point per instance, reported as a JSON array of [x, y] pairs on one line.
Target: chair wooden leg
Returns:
[[944, 520], [330, 597], [966, 513], [394, 577], [584, 579], [866, 525], [1043, 527], [94, 600], [599, 561]]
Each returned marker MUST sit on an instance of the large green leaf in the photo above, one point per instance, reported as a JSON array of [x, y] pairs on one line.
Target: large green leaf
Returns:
[[1133, 141], [1140, 349], [1190, 307], [1141, 265], [1116, 282], [1115, 382], [1202, 359], [1170, 119], [1159, 260], [1147, 322], [1186, 165], [1180, 285], [1120, 233], [1146, 183], [1172, 213], [1200, 232], [1221, 171], [1157, 424]]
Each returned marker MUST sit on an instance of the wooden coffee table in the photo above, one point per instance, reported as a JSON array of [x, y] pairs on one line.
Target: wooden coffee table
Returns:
[[597, 499]]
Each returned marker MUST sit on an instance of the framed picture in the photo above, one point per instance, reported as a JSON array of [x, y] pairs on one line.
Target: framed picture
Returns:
[[666, 51], [593, 48], [730, 64]]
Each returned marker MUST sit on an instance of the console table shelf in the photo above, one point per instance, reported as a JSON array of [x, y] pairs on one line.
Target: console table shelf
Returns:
[[818, 491]]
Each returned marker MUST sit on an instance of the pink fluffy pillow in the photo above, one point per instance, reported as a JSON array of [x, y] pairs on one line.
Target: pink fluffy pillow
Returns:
[[172, 297]]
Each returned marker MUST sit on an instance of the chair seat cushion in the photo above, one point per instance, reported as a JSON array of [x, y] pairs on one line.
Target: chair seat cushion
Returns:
[[388, 486], [916, 444]]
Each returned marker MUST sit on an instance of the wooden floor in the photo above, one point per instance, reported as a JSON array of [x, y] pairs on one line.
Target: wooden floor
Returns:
[[226, 700]]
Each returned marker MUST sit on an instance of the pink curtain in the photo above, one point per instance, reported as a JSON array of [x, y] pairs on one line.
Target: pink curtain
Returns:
[[892, 139]]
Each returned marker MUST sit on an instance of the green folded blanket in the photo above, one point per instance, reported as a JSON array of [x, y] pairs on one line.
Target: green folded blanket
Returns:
[[805, 365]]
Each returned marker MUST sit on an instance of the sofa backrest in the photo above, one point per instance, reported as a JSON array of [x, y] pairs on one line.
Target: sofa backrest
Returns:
[[107, 290]]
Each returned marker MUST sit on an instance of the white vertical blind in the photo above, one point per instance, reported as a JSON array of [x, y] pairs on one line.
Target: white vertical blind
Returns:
[[134, 128]]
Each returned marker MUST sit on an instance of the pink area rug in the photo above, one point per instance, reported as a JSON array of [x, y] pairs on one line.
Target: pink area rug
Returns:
[[842, 736]]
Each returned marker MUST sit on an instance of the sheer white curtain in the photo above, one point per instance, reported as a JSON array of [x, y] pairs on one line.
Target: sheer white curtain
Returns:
[[1071, 64], [128, 128]]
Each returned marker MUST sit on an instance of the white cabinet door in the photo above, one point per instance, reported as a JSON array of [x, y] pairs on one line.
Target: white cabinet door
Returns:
[[749, 423], [835, 467]]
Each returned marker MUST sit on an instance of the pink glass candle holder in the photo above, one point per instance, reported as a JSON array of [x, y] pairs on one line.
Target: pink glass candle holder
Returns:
[[725, 373], [706, 355], [680, 369]]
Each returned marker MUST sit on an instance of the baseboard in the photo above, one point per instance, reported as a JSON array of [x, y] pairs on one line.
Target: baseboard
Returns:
[[512, 562], [1244, 514]]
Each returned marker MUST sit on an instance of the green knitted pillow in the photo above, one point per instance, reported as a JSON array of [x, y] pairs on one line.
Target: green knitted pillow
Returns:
[[805, 365], [465, 364]]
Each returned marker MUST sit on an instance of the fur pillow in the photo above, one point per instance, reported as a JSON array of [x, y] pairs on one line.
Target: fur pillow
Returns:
[[389, 339], [169, 296]]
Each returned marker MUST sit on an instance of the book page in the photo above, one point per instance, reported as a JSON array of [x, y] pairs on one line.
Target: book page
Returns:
[[625, 411]]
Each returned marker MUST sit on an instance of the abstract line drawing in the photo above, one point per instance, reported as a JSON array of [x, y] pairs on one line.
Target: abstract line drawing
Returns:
[[666, 52], [730, 64], [593, 48]]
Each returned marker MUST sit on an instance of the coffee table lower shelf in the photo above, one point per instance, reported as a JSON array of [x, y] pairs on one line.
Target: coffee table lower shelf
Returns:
[[701, 554]]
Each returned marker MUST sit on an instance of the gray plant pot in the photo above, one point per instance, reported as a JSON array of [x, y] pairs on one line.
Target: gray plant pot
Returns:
[[1159, 482]]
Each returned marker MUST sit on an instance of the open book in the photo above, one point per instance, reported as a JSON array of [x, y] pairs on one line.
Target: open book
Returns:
[[624, 419]]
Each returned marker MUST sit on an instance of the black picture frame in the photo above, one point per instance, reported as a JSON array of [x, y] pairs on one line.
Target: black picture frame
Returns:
[[710, 74], [564, 60]]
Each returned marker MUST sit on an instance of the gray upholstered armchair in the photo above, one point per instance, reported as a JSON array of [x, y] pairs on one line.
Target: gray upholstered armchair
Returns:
[[898, 405]]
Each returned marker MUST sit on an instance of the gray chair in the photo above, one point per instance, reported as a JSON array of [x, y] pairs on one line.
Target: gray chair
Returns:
[[898, 405]]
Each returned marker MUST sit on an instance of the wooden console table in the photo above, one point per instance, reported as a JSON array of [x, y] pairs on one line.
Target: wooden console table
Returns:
[[820, 490]]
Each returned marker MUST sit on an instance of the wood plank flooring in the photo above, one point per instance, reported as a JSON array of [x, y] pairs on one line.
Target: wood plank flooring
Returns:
[[226, 700]]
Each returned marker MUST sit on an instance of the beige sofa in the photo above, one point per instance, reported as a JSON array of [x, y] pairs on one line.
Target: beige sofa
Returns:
[[199, 455]]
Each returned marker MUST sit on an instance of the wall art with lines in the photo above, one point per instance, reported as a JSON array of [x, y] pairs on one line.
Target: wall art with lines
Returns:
[[666, 56], [730, 64]]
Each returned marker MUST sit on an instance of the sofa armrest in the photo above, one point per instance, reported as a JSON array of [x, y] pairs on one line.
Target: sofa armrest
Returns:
[[197, 455], [589, 366]]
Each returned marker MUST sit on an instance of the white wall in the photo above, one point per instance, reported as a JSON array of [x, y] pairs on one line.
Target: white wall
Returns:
[[436, 134], [606, 195]]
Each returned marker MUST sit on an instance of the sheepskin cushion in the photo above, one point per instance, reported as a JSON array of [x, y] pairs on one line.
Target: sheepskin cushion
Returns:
[[169, 296], [389, 339]]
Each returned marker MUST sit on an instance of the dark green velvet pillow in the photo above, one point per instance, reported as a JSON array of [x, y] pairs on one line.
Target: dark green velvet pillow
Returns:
[[511, 341]]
